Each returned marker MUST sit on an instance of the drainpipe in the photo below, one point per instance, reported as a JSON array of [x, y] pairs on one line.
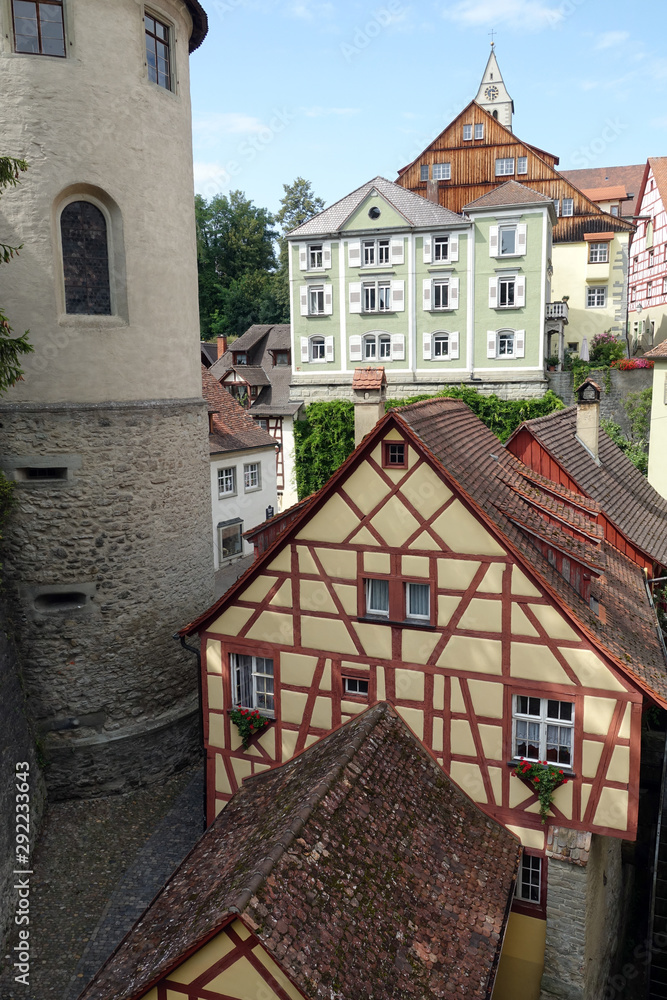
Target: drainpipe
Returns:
[[200, 701]]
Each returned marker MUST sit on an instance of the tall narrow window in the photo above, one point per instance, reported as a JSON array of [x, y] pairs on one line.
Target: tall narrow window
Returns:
[[83, 230], [39, 27], [157, 52]]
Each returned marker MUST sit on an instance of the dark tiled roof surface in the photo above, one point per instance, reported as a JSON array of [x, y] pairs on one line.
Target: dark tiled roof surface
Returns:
[[199, 24], [209, 352], [258, 341], [509, 193], [359, 864], [232, 428], [368, 378], [600, 177], [252, 374]]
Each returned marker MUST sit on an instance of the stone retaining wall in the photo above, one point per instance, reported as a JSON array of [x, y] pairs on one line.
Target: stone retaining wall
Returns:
[[611, 403]]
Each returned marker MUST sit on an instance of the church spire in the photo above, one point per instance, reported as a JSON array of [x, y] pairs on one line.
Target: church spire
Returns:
[[492, 93]]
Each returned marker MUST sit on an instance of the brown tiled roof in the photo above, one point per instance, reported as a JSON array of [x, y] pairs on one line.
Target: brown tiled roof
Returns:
[[258, 341], [360, 866], [629, 178], [509, 193], [658, 352], [232, 429], [605, 194], [625, 495], [658, 165], [368, 378]]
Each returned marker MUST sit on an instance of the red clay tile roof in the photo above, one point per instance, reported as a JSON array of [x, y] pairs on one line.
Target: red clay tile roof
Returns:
[[360, 866], [658, 352], [509, 193], [368, 378], [606, 194], [232, 428], [610, 177]]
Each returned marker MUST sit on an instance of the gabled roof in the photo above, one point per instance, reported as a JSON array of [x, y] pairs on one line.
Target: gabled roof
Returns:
[[360, 866], [209, 352], [658, 166], [625, 495], [416, 211], [258, 342], [598, 179], [231, 427], [251, 374], [509, 194]]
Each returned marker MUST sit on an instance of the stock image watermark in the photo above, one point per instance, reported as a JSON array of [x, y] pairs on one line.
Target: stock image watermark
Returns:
[[585, 156], [364, 34], [22, 873]]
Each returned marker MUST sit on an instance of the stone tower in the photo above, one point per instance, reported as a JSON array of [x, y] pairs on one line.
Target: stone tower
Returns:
[[492, 93], [108, 550]]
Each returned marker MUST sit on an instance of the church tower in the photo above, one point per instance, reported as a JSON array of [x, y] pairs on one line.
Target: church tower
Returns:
[[108, 549], [492, 93]]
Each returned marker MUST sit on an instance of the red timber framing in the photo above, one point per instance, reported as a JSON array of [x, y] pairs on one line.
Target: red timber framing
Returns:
[[499, 632], [274, 425]]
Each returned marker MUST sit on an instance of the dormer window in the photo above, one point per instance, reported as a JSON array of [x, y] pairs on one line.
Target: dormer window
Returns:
[[281, 358], [240, 358], [39, 27]]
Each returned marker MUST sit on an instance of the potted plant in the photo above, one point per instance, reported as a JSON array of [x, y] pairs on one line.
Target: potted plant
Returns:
[[249, 722], [552, 362], [543, 778]]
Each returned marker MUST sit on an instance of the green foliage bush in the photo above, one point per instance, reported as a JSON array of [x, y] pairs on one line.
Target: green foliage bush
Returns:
[[637, 406], [605, 348]]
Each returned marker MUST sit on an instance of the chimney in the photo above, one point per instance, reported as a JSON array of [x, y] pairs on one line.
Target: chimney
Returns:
[[222, 345], [432, 191], [588, 417], [368, 390]]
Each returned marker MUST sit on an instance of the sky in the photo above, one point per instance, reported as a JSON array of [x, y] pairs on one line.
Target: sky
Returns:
[[341, 92]]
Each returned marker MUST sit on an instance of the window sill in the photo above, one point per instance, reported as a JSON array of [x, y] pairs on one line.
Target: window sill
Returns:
[[405, 623], [445, 266], [99, 321], [270, 715], [376, 269], [445, 309], [377, 312], [253, 489], [226, 496], [564, 767]]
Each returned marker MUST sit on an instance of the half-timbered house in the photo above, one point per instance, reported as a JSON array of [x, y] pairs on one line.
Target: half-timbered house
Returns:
[[439, 573], [647, 307], [657, 467]]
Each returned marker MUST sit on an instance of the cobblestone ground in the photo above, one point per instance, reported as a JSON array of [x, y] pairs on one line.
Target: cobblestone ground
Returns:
[[97, 865]]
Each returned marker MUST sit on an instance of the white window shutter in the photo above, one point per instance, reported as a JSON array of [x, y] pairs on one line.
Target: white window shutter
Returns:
[[490, 343], [521, 237], [454, 247], [453, 293], [493, 293], [397, 347], [397, 249], [398, 295], [355, 348], [329, 348], [520, 291], [519, 343], [453, 346], [303, 294], [303, 257], [354, 253], [427, 293], [304, 349], [355, 298], [326, 255], [427, 346], [493, 241], [427, 249], [328, 300]]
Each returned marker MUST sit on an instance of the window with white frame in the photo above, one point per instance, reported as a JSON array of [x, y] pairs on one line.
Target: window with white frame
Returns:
[[649, 289], [504, 166], [440, 249], [230, 538], [543, 729], [506, 290], [442, 171], [596, 296], [423, 172], [375, 253], [315, 258], [252, 680], [598, 253], [226, 482], [252, 479], [505, 344], [355, 686], [467, 132], [316, 300], [568, 207], [557, 206], [522, 165], [507, 240], [418, 601], [650, 257], [377, 598], [614, 210], [441, 293], [377, 345], [529, 882], [664, 286], [376, 296], [479, 130], [316, 352], [440, 345]]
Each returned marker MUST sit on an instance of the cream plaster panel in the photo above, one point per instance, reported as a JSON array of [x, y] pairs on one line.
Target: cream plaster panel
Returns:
[[487, 698], [321, 717], [461, 736], [520, 623], [214, 689], [295, 668], [340, 563], [425, 541], [283, 596], [447, 605], [426, 491], [409, 684], [462, 532], [492, 581], [393, 435], [456, 574], [277, 973], [519, 792], [364, 537], [222, 784], [469, 778], [375, 639], [418, 646], [396, 475], [585, 796], [590, 758], [307, 565], [151, 996], [268, 741], [619, 765], [438, 692], [394, 523], [240, 928], [203, 959], [496, 776], [235, 741], [326, 633], [380, 684], [347, 595], [492, 741], [332, 523], [612, 810], [256, 591], [353, 665], [316, 597], [464, 652], [253, 752], [289, 739], [553, 622], [415, 566], [591, 670], [598, 714], [231, 621], [283, 561], [219, 806], [241, 767], [414, 718], [482, 616], [216, 730], [536, 663], [624, 729], [271, 626], [457, 704], [345, 718], [241, 980], [325, 683], [293, 704], [562, 799], [529, 838], [310, 739], [438, 731], [352, 707], [213, 656], [377, 562], [521, 585], [366, 488]]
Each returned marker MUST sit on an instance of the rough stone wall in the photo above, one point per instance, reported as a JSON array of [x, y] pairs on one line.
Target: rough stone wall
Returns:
[[111, 693], [603, 911], [564, 954], [611, 403], [317, 392]]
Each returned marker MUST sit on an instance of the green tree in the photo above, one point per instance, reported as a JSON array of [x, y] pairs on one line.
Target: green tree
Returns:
[[637, 406], [297, 205]]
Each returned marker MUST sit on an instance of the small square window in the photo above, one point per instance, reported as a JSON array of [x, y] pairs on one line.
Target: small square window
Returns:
[[355, 686], [568, 207], [423, 172], [39, 27], [467, 132], [522, 165], [596, 296], [394, 455], [442, 171], [226, 482], [251, 476], [418, 601], [252, 681], [543, 730], [598, 253], [377, 598], [479, 131]]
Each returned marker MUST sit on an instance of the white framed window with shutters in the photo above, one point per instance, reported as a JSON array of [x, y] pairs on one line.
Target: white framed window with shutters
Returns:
[[316, 300], [441, 346], [377, 346], [440, 293], [381, 252], [440, 248], [314, 256], [317, 350], [505, 345], [376, 296], [507, 291], [507, 240]]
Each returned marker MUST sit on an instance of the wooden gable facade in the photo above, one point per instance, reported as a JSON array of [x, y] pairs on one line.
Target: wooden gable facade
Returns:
[[473, 174]]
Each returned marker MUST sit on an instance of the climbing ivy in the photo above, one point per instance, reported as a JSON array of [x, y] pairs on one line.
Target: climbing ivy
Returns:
[[322, 441]]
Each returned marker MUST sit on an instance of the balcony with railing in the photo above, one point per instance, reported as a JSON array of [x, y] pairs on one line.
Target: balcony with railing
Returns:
[[558, 311]]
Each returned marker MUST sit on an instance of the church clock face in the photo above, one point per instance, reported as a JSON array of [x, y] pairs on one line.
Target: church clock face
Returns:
[[491, 93]]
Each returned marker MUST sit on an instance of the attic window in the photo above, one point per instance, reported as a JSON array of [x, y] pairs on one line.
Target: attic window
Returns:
[[281, 358], [240, 358], [394, 455], [374, 212]]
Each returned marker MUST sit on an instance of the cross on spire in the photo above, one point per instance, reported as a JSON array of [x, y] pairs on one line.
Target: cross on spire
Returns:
[[492, 33]]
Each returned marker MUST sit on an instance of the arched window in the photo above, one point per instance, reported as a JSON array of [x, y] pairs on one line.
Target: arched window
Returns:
[[441, 345], [317, 349], [377, 346], [83, 231]]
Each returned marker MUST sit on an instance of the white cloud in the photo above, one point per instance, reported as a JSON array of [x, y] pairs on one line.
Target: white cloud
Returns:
[[210, 178], [319, 112], [210, 127], [610, 38], [529, 15], [308, 10]]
